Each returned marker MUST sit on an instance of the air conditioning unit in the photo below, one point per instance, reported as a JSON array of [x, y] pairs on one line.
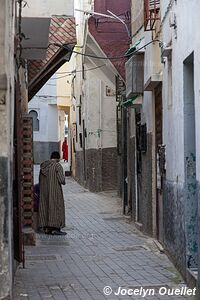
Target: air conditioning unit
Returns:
[[135, 75]]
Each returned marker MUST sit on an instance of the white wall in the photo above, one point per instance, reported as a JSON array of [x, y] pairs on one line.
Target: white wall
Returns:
[[183, 45], [47, 8], [76, 64], [152, 64], [147, 112], [99, 114], [109, 127], [53, 135], [45, 103], [97, 110], [92, 101]]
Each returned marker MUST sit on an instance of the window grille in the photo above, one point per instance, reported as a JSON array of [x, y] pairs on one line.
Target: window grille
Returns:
[[151, 9]]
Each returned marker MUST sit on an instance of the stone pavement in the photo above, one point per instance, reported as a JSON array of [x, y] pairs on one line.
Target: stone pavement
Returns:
[[102, 248]]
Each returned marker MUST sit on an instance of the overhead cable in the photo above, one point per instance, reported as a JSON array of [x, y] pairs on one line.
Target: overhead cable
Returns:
[[108, 57]]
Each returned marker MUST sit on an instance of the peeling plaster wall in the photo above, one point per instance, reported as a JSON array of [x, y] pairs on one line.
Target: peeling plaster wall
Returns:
[[181, 201], [6, 146], [174, 223], [144, 205]]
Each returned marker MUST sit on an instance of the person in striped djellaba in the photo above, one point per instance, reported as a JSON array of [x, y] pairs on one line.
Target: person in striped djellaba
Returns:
[[51, 204]]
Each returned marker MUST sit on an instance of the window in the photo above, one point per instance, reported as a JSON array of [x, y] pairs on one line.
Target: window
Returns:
[[151, 9], [81, 140], [79, 115], [34, 115], [143, 138]]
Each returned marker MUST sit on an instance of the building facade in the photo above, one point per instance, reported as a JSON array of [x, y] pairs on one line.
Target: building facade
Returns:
[[180, 109], [144, 131], [43, 110], [21, 74], [7, 87], [50, 109], [94, 140], [162, 128]]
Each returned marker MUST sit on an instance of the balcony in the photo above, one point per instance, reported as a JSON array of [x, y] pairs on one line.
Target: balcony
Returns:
[[151, 14]]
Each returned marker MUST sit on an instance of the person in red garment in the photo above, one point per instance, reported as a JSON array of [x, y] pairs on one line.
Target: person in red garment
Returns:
[[65, 150]]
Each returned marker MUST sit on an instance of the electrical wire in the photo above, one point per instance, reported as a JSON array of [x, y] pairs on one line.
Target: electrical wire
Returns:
[[98, 57], [62, 76], [78, 71], [110, 58], [137, 31], [74, 72], [49, 96]]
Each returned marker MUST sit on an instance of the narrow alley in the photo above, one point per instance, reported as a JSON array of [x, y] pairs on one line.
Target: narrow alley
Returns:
[[101, 249], [110, 91]]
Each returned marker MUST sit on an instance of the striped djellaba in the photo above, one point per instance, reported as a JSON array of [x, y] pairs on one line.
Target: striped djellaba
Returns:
[[51, 205]]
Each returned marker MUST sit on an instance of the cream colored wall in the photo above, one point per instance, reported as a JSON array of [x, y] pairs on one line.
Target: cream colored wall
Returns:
[[63, 88], [61, 126], [64, 85]]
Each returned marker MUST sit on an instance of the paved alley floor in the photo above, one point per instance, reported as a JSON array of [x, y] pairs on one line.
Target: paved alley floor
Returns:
[[102, 249]]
